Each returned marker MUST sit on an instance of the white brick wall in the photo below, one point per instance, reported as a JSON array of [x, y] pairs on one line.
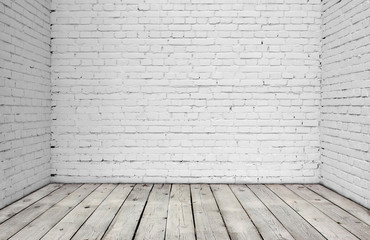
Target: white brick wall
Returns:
[[185, 90], [345, 126], [25, 97]]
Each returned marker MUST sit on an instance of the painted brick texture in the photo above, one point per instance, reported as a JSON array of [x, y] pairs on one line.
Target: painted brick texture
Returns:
[[185, 91], [25, 97], [345, 125]]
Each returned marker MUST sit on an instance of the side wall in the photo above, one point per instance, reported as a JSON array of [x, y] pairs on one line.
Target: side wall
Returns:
[[185, 91], [25, 97], [345, 126]]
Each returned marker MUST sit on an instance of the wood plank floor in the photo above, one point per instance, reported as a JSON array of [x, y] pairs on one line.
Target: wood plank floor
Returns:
[[184, 211]]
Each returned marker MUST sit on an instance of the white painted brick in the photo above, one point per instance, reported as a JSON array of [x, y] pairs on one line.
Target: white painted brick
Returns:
[[190, 82], [177, 92], [25, 93], [344, 138]]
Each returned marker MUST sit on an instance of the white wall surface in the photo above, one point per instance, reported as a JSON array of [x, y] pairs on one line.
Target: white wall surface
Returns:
[[185, 91], [345, 125], [25, 97]]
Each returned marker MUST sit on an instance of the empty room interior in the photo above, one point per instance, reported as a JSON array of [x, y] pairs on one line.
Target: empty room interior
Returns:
[[184, 119]]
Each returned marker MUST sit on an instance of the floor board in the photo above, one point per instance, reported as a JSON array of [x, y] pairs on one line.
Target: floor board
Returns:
[[41, 225], [238, 223], [98, 222], [154, 220], [209, 224], [125, 222], [348, 205], [180, 223], [29, 214], [71, 223], [340, 216], [268, 226], [324, 224], [184, 212], [23, 203], [298, 227]]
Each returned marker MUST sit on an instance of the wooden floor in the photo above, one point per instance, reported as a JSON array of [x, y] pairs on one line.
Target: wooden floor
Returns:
[[183, 211]]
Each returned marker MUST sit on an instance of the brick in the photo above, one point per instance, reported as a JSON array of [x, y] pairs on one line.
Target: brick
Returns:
[[171, 87], [201, 98], [342, 112], [26, 99]]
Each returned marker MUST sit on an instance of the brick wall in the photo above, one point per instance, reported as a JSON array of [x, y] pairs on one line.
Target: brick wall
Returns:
[[185, 91], [345, 126], [25, 97]]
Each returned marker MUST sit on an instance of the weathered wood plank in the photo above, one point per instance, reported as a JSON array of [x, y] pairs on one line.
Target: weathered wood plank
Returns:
[[208, 221], [154, 219], [294, 223], [23, 203], [238, 223], [325, 225], [98, 222], [41, 225], [353, 208], [19, 221], [68, 226], [180, 225], [277, 212], [268, 226], [124, 224], [346, 220]]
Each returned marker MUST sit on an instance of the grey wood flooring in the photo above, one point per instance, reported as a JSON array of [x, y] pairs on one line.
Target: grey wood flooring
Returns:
[[184, 211]]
